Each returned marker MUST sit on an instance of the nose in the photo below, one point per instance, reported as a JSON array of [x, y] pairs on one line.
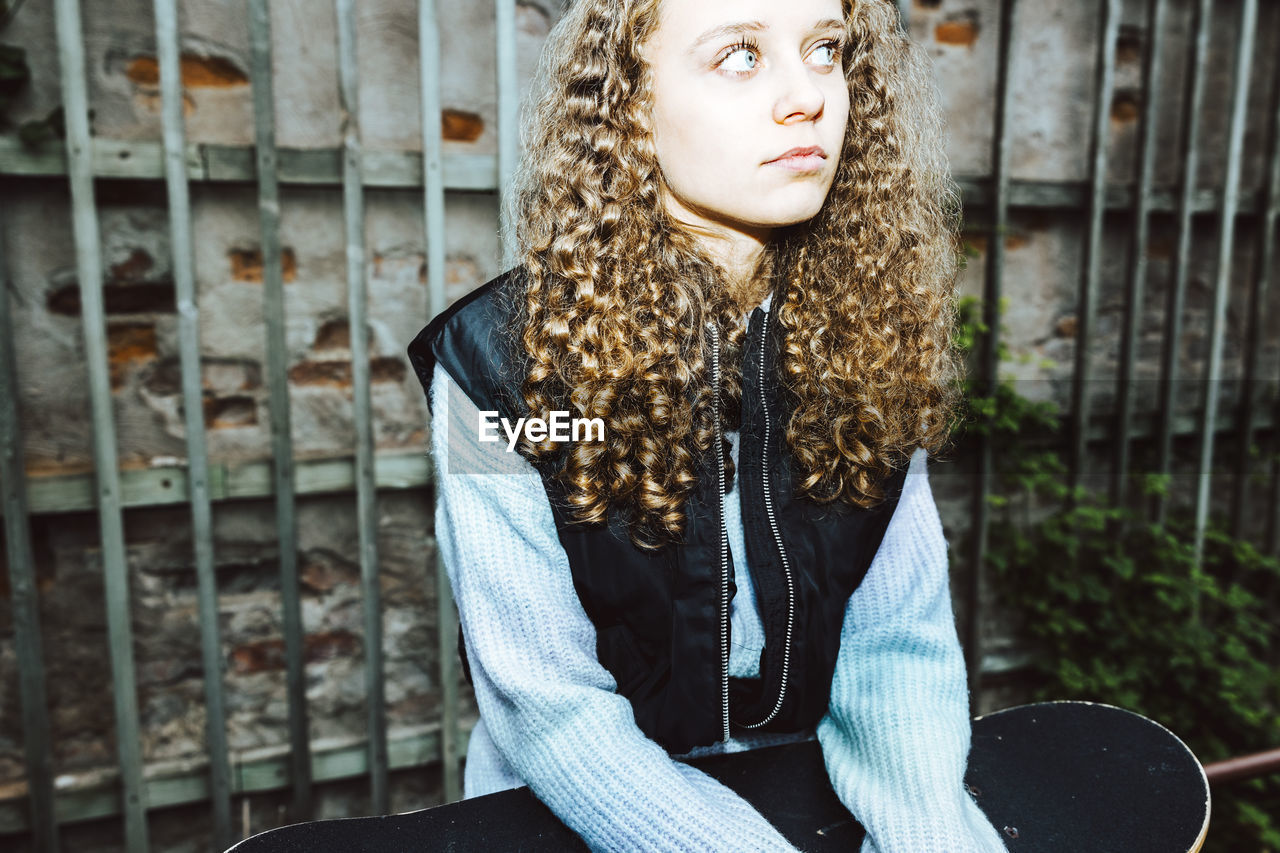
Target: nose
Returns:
[[799, 96]]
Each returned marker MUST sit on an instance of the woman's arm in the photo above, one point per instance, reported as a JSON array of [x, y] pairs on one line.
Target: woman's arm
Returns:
[[547, 703], [896, 734]]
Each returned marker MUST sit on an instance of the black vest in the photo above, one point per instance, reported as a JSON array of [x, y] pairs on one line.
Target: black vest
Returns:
[[662, 617]]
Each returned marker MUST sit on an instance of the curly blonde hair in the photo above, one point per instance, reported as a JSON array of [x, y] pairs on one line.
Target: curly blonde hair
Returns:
[[616, 296]]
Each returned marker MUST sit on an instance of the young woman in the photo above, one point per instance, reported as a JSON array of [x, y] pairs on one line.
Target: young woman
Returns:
[[736, 257]]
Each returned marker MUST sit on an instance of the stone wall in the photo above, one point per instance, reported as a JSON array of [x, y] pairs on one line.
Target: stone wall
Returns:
[[1053, 78]]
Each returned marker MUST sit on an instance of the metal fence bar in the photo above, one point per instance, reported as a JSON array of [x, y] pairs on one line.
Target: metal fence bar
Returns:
[[175, 146], [1136, 279], [27, 642], [1264, 258], [508, 119], [1169, 368], [434, 256], [1212, 384], [115, 569], [282, 473], [366, 490], [988, 371], [1092, 260]]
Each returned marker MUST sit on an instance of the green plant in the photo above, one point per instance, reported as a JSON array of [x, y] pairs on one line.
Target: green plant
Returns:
[[1117, 609]]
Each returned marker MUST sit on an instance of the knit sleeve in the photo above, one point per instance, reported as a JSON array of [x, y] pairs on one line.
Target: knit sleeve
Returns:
[[548, 705], [896, 734]]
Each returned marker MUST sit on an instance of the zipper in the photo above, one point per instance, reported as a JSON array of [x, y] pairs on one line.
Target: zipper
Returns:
[[777, 538], [724, 536]]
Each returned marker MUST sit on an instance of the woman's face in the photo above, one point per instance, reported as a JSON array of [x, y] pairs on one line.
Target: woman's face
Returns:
[[749, 109]]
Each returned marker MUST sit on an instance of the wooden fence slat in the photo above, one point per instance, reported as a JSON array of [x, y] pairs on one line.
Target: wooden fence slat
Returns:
[[1176, 300], [167, 52], [179, 782], [904, 15], [508, 119], [28, 645], [989, 365], [115, 568], [1091, 263], [357, 316], [283, 469], [1136, 272], [1264, 260], [434, 242], [1212, 384]]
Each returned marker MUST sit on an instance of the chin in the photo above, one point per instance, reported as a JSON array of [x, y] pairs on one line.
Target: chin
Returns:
[[793, 213]]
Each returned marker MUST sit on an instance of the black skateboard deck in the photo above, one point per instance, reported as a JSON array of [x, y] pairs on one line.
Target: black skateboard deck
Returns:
[[1059, 777]]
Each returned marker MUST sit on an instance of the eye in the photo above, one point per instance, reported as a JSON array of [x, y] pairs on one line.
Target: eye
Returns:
[[741, 59], [827, 53]]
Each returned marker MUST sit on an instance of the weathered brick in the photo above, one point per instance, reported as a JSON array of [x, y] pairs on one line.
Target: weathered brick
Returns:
[[225, 412], [958, 31], [129, 344], [1124, 107], [197, 71], [462, 126], [333, 335], [338, 373], [246, 264]]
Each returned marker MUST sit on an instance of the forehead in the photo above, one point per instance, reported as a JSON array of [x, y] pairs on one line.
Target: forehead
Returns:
[[682, 22]]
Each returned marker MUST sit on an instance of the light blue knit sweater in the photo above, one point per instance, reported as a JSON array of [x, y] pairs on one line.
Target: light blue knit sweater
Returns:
[[895, 737]]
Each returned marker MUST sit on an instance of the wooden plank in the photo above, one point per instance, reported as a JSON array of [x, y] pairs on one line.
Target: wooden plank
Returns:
[[167, 485], [1136, 271], [184, 278], [1222, 280], [976, 192], [141, 160], [109, 158], [94, 795], [1091, 261], [283, 471], [75, 100], [357, 316], [28, 645]]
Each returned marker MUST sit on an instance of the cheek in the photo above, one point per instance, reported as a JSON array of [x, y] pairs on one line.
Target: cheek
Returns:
[[838, 104], [695, 145], [698, 136]]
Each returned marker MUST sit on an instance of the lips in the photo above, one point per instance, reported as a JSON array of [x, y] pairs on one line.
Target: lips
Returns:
[[808, 159]]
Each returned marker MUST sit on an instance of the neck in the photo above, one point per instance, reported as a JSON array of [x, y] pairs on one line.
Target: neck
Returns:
[[739, 256], [736, 249]]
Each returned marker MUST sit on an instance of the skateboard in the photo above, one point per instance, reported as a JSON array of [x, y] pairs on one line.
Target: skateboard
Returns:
[[1052, 778]]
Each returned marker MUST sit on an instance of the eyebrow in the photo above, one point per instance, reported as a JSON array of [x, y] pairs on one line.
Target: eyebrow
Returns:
[[743, 27]]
